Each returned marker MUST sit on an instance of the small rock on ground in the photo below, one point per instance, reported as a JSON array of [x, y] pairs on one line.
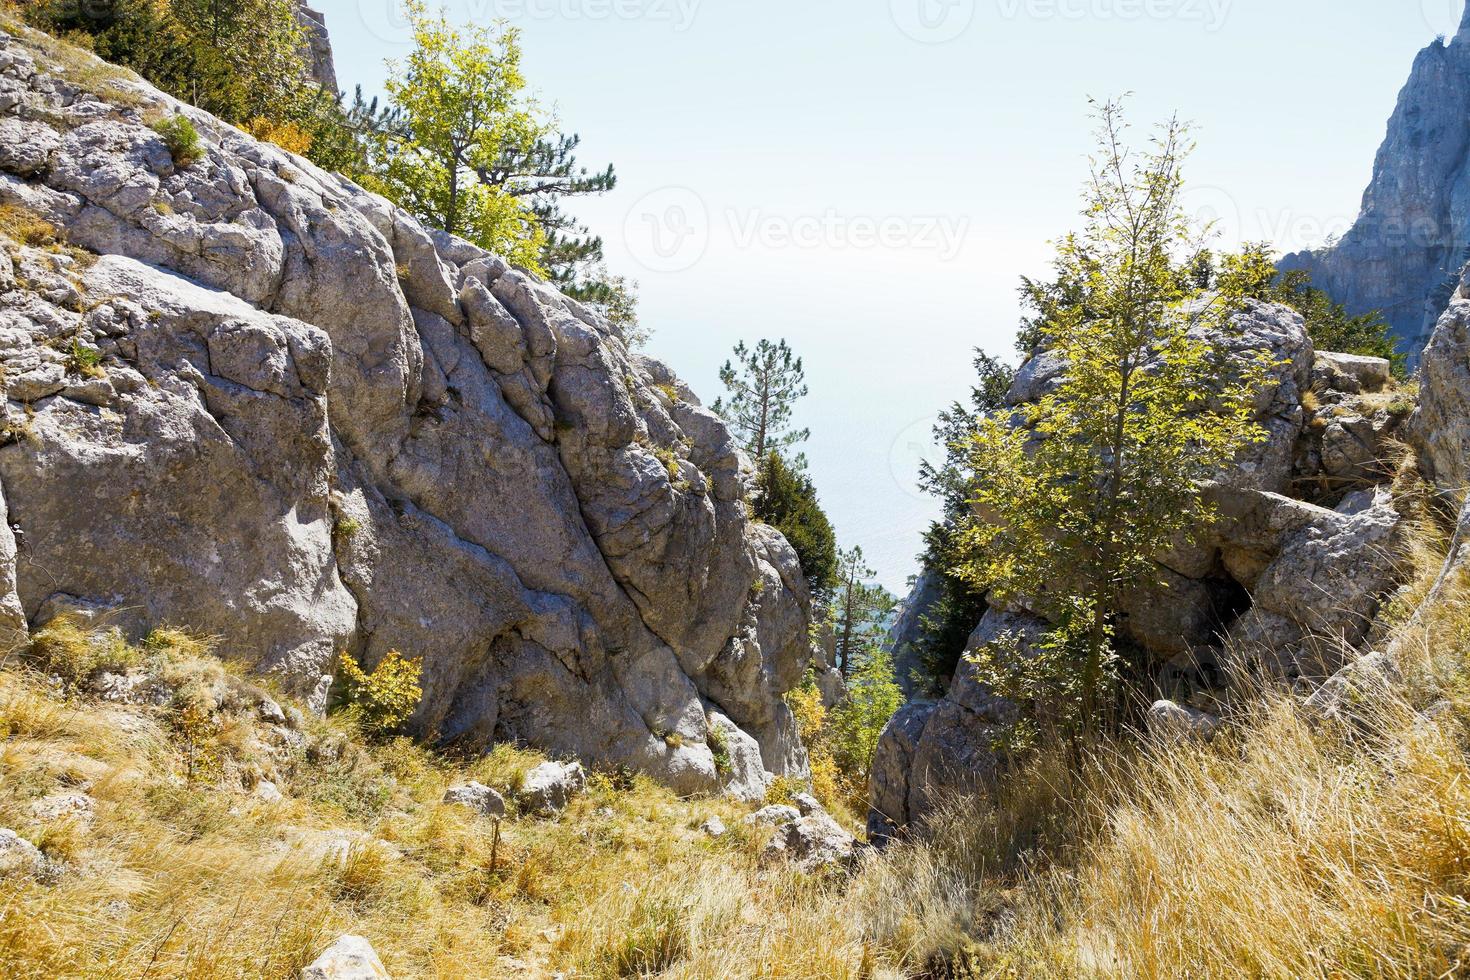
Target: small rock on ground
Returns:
[[349, 958]]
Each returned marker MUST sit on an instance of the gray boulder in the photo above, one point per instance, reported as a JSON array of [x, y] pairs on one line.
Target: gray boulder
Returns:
[[893, 763], [1315, 600], [478, 797], [549, 787], [743, 775], [1358, 690], [1170, 722], [349, 958], [1351, 373], [776, 813], [806, 836], [19, 856]]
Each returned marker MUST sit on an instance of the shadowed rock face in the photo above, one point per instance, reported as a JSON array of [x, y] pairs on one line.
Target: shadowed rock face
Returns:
[[1404, 253], [317, 426]]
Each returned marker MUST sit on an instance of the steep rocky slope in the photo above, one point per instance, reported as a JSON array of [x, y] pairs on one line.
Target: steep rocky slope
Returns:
[[1403, 254], [246, 396], [1284, 586]]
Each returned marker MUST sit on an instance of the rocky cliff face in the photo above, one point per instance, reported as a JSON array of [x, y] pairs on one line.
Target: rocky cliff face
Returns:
[[246, 397], [1284, 586], [1405, 251], [319, 60]]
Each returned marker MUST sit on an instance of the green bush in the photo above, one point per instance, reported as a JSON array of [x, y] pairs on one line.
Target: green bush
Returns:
[[182, 140]]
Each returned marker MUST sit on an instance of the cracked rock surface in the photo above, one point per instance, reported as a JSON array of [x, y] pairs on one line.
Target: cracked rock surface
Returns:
[[250, 398]]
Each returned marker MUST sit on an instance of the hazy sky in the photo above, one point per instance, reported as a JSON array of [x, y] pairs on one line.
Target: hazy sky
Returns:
[[870, 178]]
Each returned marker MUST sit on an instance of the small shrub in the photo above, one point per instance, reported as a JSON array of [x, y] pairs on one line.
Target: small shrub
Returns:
[[173, 644], [192, 717], [288, 135], [383, 700], [719, 746], [669, 459], [182, 140], [85, 361], [348, 526], [66, 650]]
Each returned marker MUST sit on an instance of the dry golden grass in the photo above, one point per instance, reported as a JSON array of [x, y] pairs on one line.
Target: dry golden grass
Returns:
[[1286, 848], [185, 873]]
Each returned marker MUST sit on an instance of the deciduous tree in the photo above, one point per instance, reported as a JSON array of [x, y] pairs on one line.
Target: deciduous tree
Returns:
[[1082, 490]]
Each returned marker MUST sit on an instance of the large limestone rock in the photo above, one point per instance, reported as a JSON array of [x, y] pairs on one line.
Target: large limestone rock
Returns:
[[907, 630], [893, 761], [1412, 235], [318, 53], [1440, 427], [250, 398], [1314, 603]]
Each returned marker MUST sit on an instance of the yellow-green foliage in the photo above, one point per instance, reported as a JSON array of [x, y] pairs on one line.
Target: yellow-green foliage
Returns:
[[383, 700], [462, 94], [181, 138], [670, 460], [1117, 452]]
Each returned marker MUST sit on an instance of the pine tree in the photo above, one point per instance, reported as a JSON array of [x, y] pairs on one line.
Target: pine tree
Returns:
[[861, 607], [788, 502], [764, 389]]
